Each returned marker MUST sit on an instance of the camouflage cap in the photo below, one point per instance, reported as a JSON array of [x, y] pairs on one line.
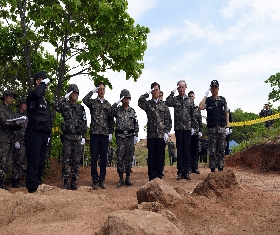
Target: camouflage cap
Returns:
[[21, 100], [125, 93], [8, 92], [73, 87]]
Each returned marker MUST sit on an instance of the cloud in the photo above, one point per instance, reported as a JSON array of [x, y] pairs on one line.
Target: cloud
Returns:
[[159, 37], [137, 7]]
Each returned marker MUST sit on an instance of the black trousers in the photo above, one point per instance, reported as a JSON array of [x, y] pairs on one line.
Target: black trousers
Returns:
[[36, 151], [155, 157], [194, 153], [98, 146], [183, 139], [204, 154]]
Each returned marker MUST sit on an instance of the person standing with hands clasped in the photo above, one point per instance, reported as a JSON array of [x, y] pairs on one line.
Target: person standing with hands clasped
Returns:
[[101, 129], [184, 124], [74, 133], [158, 128], [218, 125], [38, 130], [126, 135]]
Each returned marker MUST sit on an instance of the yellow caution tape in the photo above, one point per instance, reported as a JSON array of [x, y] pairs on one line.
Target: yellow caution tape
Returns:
[[255, 121]]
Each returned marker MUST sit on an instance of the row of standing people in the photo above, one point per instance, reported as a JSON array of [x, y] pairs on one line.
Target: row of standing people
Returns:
[[101, 128]]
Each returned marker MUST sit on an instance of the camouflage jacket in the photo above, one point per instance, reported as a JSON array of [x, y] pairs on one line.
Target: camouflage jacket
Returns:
[[75, 120], [198, 120], [158, 114], [19, 134], [101, 122], [126, 121], [7, 128], [183, 112]]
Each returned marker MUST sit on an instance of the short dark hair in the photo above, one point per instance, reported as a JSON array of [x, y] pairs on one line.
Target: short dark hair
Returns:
[[154, 84], [99, 83], [191, 92]]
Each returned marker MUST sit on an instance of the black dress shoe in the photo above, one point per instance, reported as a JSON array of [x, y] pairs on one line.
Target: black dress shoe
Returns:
[[102, 184], [128, 182], [196, 171], [121, 183], [220, 169], [213, 169], [187, 177], [95, 186], [179, 177]]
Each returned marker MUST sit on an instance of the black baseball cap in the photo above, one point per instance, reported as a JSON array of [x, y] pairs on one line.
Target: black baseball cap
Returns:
[[214, 83], [40, 74]]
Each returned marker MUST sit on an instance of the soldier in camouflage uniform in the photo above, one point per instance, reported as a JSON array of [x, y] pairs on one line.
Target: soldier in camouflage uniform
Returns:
[[7, 129], [158, 128], [74, 133], [171, 152], [19, 154], [126, 135], [184, 126], [217, 120], [195, 137], [101, 129]]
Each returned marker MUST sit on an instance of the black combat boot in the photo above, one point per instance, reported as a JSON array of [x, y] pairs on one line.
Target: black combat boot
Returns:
[[65, 184], [2, 186], [16, 183], [121, 181], [73, 185], [128, 182]]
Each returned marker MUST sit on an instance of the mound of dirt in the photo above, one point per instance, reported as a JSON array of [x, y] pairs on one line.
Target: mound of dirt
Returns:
[[217, 184], [261, 158]]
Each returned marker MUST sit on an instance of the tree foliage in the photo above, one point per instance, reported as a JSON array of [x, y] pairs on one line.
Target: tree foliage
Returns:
[[274, 81]]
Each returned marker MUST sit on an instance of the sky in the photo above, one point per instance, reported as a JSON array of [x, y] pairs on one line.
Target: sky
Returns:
[[236, 42]]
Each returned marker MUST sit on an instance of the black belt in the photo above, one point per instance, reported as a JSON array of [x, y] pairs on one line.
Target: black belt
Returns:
[[124, 132]]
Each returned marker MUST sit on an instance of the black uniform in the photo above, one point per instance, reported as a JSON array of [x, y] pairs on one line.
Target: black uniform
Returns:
[[36, 136]]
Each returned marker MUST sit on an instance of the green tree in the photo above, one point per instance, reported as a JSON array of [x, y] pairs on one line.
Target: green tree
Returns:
[[274, 81]]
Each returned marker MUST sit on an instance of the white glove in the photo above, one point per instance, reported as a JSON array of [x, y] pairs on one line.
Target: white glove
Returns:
[[23, 119], [110, 137], [83, 141], [230, 131], [165, 137], [207, 92], [135, 139], [175, 89], [46, 81], [199, 134], [17, 145], [227, 131], [95, 89], [48, 141], [192, 131], [68, 95], [149, 91], [117, 102]]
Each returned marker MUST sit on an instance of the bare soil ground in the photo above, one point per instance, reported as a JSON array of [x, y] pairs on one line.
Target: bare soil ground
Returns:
[[252, 207]]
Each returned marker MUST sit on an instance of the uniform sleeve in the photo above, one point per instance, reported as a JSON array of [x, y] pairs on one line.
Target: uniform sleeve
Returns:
[[87, 99], [136, 125], [111, 122], [167, 120], [142, 101], [169, 100], [113, 110], [192, 114], [58, 104], [38, 92], [84, 122], [199, 120]]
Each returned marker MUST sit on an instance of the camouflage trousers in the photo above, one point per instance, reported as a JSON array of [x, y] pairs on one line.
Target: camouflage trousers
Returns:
[[5, 159], [125, 152], [216, 147], [19, 162], [72, 152]]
